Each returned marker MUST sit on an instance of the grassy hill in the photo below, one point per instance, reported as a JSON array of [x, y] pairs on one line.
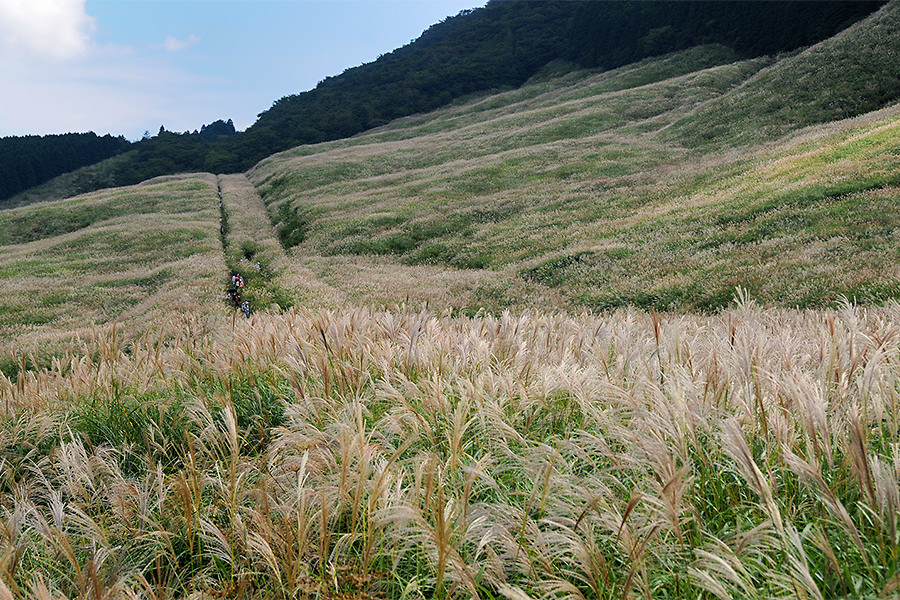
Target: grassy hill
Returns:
[[139, 257], [498, 46], [382, 428], [850, 74], [577, 191]]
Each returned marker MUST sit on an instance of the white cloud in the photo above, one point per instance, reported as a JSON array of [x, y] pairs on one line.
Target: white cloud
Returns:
[[56, 78], [45, 29], [173, 44]]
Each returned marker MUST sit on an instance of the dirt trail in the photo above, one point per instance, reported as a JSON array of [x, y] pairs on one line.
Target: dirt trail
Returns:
[[253, 250]]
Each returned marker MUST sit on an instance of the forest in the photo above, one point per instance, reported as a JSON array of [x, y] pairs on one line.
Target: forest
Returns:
[[30, 160], [499, 46]]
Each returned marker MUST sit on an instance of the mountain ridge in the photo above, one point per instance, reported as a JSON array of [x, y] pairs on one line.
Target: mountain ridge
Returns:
[[505, 43]]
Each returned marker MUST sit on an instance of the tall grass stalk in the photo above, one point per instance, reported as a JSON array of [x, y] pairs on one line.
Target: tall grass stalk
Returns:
[[398, 453]]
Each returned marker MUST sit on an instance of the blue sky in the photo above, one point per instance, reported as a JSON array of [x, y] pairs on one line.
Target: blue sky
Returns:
[[126, 66]]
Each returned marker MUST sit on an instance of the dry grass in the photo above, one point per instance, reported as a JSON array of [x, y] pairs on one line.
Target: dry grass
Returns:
[[379, 281], [143, 256], [368, 453]]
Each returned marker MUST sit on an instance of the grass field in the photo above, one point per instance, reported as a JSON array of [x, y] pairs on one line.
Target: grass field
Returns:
[[367, 453], [576, 193], [138, 257]]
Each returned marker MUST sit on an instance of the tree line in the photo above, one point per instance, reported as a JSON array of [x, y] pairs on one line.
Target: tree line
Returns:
[[28, 161], [31, 160]]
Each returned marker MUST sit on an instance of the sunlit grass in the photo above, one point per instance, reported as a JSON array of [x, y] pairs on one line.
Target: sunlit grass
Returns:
[[406, 453]]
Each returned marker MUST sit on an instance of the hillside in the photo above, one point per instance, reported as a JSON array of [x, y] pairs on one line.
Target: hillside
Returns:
[[499, 46], [575, 192], [505, 43], [140, 257], [850, 74]]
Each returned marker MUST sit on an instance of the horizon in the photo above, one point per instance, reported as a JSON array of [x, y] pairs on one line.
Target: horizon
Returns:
[[124, 67]]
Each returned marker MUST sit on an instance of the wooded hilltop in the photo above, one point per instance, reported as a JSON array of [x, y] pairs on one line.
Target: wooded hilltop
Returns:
[[499, 46]]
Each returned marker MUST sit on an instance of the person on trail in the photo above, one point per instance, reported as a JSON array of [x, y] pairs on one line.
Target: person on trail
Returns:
[[245, 308], [234, 292], [232, 296]]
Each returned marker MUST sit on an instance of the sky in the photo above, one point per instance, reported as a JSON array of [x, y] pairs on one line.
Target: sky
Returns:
[[128, 66]]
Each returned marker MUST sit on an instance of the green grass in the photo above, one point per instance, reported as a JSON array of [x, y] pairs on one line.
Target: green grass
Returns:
[[292, 226], [28, 225], [439, 241], [843, 77]]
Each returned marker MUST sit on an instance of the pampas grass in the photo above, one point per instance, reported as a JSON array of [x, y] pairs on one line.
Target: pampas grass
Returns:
[[419, 454], [581, 192], [142, 256]]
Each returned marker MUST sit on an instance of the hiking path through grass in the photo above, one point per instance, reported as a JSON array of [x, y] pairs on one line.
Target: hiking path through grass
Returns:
[[252, 250]]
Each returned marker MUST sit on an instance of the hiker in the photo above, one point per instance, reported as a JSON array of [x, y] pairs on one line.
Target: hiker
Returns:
[[245, 308]]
